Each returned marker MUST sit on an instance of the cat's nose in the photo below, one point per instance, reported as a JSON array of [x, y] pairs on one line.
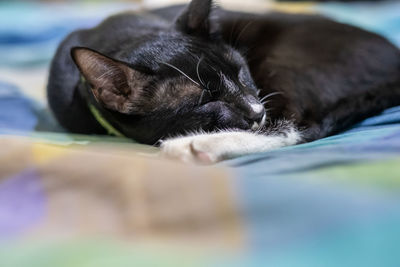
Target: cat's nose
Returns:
[[256, 110], [256, 113]]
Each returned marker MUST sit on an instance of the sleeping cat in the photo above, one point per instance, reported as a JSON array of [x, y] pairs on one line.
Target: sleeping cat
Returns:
[[209, 84]]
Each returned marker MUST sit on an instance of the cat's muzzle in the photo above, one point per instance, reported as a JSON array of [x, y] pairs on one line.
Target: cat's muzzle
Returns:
[[258, 125]]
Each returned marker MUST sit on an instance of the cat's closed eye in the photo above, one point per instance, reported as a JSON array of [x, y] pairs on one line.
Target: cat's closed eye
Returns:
[[244, 78]]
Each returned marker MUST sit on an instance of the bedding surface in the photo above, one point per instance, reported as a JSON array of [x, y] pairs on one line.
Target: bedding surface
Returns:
[[73, 200]]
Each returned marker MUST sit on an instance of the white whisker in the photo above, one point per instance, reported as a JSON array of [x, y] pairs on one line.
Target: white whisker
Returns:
[[271, 94], [197, 70], [201, 97], [184, 74]]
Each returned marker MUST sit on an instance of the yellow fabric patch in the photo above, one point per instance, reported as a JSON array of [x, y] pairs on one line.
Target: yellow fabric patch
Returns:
[[43, 153], [305, 7]]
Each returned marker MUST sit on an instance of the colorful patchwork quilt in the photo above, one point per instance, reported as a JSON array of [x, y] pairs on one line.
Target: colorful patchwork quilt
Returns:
[[75, 200]]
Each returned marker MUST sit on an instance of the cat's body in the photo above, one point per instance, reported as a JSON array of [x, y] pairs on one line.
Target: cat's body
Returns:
[[317, 77]]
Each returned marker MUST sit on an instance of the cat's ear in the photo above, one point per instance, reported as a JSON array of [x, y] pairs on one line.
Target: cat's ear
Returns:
[[196, 20], [114, 85]]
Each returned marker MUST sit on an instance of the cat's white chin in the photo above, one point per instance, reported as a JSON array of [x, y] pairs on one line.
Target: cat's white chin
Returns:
[[258, 125], [208, 148]]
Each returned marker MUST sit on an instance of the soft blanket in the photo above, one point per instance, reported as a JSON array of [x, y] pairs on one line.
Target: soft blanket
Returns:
[[70, 200]]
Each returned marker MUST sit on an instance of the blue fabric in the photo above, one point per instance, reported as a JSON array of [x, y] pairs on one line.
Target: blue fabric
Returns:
[[31, 32], [332, 202], [16, 111], [380, 17]]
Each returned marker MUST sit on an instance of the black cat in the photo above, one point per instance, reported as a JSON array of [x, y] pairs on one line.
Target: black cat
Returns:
[[217, 84]]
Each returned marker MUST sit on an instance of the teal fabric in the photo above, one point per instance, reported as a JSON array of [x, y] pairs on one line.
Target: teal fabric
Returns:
[[382, 17], [30, 32], [332, 202]]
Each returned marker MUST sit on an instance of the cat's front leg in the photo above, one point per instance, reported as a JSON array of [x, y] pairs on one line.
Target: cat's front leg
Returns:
[[214, 147]]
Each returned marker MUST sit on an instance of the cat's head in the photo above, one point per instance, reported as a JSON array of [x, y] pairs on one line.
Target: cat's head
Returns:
[[183, 79]]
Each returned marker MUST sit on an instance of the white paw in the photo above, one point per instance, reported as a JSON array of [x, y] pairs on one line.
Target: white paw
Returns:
[[197, 149], [213, 147]]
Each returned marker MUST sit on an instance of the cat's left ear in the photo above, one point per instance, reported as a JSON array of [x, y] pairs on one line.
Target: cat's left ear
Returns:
[[114, 85], [196, 19]]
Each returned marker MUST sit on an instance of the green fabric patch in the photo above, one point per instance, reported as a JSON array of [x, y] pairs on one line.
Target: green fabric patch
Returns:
[[96, 253], [382, 173]]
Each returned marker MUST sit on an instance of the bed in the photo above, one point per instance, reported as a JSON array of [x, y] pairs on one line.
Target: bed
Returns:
[[74, 200]]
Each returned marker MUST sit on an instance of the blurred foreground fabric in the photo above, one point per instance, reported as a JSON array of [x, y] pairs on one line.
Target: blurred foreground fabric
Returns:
[[73, 200]]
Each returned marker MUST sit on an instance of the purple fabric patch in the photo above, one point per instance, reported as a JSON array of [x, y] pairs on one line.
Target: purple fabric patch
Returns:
[[22, 203]]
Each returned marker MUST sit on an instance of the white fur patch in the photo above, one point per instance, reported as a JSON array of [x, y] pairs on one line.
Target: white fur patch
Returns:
[[214, 147], [257, 108]]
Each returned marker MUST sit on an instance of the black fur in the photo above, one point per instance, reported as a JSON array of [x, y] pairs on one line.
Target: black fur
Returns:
[[327, 75]]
